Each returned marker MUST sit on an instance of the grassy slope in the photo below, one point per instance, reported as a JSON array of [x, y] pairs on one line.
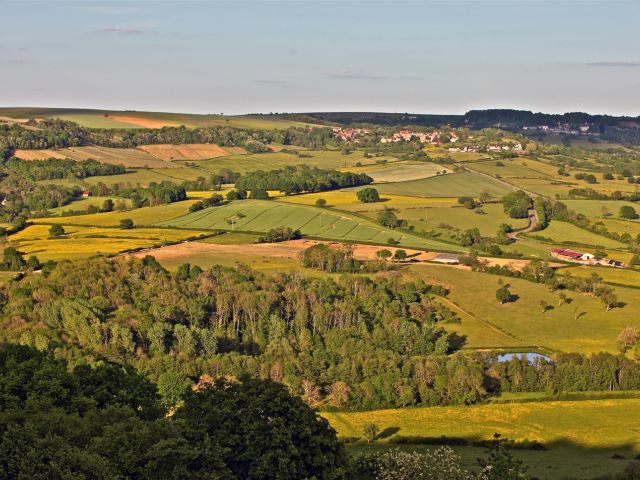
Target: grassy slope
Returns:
[[558, 329], [561, 232], [453, 185], [261, 216]]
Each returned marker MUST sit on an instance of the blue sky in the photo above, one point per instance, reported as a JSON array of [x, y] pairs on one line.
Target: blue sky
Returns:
[[241, 57]]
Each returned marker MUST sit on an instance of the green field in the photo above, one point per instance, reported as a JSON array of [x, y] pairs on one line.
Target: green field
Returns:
[[454, 185], [263, 215], [561, 232], [513, 168], [581, 326], [145, 176], [276, 160], [615, 276], [451, 219], [594, 208], [581, 436]]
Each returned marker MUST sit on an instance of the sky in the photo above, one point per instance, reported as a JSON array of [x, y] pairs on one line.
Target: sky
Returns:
[[302, 56]]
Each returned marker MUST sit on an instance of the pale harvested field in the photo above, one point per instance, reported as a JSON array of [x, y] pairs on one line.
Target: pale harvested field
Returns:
[[196, 151], [40, 154], [129, 157], [293, 249], [142, 122]]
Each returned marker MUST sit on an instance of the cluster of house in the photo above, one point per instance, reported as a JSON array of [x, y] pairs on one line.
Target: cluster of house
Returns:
[[423, 137], [585, 258], [350, 134], [560, 128], [492, 147]]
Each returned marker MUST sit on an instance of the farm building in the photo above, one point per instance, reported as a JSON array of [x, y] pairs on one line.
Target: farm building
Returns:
[[571, 255], [85, 193]]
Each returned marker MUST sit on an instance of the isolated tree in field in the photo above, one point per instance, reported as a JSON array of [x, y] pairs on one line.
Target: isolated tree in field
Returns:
[[604, 211], [126, 224], [400, 255], [368, 195], [484, 196], [609, 299], [544, 306], [628, 212], [56, 230], [121, 205], [384, 255], [370, 432], [321, 202], [562, 298], [107, 205], [503, 295], [628, 337]]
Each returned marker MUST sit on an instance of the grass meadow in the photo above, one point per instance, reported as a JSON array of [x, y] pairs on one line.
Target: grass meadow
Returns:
[[561, 232], [580, 326], [580, 436]]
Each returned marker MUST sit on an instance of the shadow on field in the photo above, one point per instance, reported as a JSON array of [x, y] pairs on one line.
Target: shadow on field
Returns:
[[562, 459]]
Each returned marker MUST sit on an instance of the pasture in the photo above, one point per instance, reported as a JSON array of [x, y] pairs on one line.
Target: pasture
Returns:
[[563, 232], [453, 185], [263, 215], [581, 436], [598, 208], [144, 176], [456, 218], [525, 168], [580, 326], [615, 276], [79, 242], [129, 157]]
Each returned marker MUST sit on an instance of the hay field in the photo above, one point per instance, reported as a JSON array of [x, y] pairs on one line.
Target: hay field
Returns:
[[40, 154], [581, 326], [144, 176], [263, 215], [405, 171], [615, 276], [196, 151], [129, 157], [79, 242], [453, 185]]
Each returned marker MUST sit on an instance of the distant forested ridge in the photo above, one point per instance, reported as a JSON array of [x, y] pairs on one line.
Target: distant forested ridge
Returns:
[[54, 168], [300, 179], [54, 133]]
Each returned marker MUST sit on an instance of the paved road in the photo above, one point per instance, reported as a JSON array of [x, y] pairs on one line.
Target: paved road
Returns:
[[533, 223]]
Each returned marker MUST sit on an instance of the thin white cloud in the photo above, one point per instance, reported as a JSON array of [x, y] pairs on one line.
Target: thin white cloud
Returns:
[[360, 75], [614, 64], [125, 31], [270, 82]]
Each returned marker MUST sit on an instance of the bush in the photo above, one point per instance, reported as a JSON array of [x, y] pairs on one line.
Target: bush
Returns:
[[56, 230], [126, 224], [628, 212]]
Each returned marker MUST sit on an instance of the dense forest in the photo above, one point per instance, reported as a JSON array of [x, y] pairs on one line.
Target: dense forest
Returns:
[[299, 179], [54, 168], [346, 342]]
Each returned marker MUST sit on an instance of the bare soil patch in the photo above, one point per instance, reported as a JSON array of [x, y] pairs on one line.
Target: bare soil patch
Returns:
[[142, 122], [39, 154]]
